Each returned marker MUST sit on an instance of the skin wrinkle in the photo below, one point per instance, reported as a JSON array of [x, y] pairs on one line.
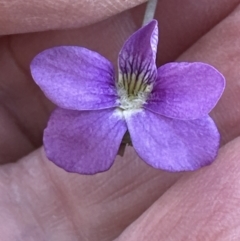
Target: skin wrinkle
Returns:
[[84, 232], [117, 174], [104, 182], [124, 190], [111, 179], [63, 199], [13, 198], [35, 217]]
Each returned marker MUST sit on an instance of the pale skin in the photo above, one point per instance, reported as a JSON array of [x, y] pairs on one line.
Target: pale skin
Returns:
[[132, 201]]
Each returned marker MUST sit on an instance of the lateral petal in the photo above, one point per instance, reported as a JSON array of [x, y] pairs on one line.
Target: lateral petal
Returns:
[[75, 78], [186, 90]]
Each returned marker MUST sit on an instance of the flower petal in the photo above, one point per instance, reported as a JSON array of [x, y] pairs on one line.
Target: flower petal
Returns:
[[75, 78], [85, 142], [186, 90], [173, 145], [137, 57]]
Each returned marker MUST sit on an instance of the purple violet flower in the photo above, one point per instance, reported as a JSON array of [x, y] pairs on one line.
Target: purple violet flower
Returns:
[[165, 110]]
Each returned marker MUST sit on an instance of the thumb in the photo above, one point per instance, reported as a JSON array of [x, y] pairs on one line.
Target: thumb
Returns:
[[30, 16]]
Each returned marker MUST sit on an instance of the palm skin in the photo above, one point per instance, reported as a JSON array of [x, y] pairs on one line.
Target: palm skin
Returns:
[[39, 201]]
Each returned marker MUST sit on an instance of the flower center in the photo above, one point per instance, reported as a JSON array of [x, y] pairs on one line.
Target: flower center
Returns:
[[133, 90]]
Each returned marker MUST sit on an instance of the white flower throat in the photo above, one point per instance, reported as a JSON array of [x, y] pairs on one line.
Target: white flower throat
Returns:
[[133, 90]]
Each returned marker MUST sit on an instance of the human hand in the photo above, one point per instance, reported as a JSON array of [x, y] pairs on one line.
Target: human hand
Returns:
[[39, 201]]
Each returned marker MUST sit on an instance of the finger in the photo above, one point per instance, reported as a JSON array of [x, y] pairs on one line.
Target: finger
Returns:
[[200, 206], [121, 209], [21, 16], [40, 201]]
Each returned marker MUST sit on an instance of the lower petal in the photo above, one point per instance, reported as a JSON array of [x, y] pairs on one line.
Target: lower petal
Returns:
[[173, 145], [84, 142]]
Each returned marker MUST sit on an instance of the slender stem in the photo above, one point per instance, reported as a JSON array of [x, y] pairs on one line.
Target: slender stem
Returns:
[[150, 11]]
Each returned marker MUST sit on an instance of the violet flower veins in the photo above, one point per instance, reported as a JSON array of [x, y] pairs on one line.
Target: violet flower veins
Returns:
[[165, 110]]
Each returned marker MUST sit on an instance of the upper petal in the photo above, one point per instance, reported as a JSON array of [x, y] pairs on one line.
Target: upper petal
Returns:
[[171, 144], [75, 78], [137, 57], [186, 90], [85, 142]]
